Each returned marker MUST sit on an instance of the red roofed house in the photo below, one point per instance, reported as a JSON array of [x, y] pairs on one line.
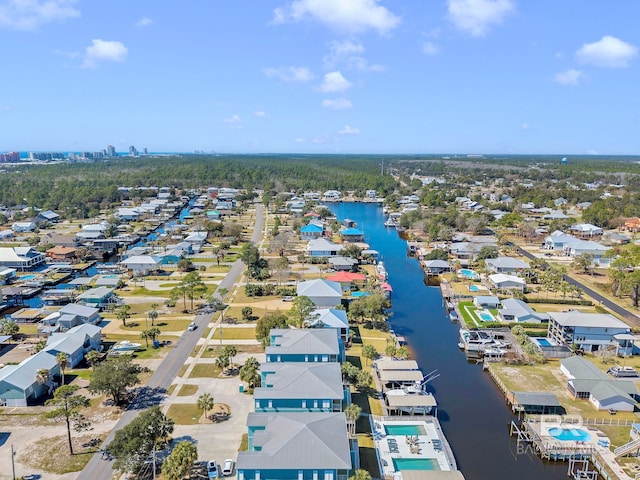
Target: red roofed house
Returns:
[[633, 224], [348, 279]]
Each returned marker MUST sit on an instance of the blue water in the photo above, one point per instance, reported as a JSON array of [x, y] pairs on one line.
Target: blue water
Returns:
[[471, 274], [569, 434], [474, 288], [28, 277], [405, 430], [486, 317], [401, 464], [543, 342], [360, 294], [471, 409]]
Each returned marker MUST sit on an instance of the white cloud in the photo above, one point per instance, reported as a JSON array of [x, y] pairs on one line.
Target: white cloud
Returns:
[[349, 130], [349, 54], [335, 82], [608, 52], [476, 16], [260, 114], [144, 22], [352, 16], [337, 103], [233, 121], [569, 77], [430, 48], [290, 74], [31, 14], [104, 51]]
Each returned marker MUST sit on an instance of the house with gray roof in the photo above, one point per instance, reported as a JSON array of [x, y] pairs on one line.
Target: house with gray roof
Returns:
[[508, 265], [321, 247], [297, 445], [587, 381], [321, 292], [331, 318], [345, 264], [304, 345], [69, 316], [436, 267], [75, 342], [557, 240], [515, 310], [590, 331], [304, 387], [21, 258]]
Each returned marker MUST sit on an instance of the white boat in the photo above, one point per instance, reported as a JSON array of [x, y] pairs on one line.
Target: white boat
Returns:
[[381, 272], [478, 340], [390, 222], [125, 346]]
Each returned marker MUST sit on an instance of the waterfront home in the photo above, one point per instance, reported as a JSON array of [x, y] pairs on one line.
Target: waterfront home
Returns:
[[585, 230], [98, 297], [465, 250], [515, 310], [19, 384], [323, 293], [311, 231], [348, 280], [343, 264], [125, 214], [21, 258], [331, 195], [331, 318], [298, 445], [507, 265], [586, 381], [24, 227], [140, 265], [301, 387], [352, 235], [557, 240], [585, 247], [502, 281], [196, 238], [61, 253], [590, 331], [7, 275], [436, 267], [75, 343], [540, 403], [321, 247], [397, 373], [304, 345], [19, 295], [486, 301]]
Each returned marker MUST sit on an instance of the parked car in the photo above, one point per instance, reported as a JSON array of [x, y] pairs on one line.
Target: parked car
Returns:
[[212, 469], [227, 470], [287, 298], [192, 326]]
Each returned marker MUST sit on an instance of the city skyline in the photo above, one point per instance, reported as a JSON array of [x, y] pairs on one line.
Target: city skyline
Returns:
[[310, 76]]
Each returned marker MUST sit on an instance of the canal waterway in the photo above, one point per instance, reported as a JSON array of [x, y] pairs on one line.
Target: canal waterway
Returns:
[[473, 413]]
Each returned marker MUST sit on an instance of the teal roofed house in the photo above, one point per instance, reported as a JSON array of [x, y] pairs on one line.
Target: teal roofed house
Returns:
[[311, 231], [303, 387], [297, 446], [303, 345], [352, 235]]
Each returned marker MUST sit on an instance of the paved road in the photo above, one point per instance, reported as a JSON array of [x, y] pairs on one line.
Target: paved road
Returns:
[[155, 389], [631, 318]]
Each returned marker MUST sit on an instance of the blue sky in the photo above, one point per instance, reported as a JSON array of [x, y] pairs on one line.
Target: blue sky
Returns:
[[321, 76]]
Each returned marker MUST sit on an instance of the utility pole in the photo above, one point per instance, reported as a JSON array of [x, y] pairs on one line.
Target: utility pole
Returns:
[[13, 465]]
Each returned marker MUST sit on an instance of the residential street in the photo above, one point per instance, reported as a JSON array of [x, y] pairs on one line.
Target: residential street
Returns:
[[155, 390]]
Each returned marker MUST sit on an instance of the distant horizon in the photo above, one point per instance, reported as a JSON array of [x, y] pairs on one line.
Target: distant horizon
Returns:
[[315, 77]]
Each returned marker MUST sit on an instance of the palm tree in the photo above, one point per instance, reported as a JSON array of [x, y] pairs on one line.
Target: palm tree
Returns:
[[92, 357], [352, 412], [62, 359], [42, 376], [206, 403], [123, 314], [153, 314]]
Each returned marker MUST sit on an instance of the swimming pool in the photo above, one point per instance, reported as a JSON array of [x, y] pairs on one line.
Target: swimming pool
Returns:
[[28, 277], [360, 294], [470, 274], [569, 434], [405, 430], [485, 316], [543, 342], [401, 464], [474, 288]]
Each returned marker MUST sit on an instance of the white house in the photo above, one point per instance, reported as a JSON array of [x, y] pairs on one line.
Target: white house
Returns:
[[75, 342], [514, 310], [321, 247], [557, 240], [142, 264], [23, 227], [332, 195], [581, 247], [586, 230], [331, 318], [506, 265], [486, 301], [590, 331], [507, 282], [21, 258]]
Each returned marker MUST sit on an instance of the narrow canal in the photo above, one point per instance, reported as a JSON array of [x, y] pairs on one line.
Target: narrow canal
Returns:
[[471, 409]]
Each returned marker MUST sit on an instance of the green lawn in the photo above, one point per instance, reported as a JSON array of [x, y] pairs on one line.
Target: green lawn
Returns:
[[184, 413], [205, 370], [236, 334], [187, 390]]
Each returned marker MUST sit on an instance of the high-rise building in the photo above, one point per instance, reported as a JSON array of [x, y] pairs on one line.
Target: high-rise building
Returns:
[[10, 157], [132, 151], [111, 151], [145, 150]]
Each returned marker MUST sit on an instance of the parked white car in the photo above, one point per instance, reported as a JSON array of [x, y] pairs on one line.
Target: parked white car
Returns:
[[227, 470]]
